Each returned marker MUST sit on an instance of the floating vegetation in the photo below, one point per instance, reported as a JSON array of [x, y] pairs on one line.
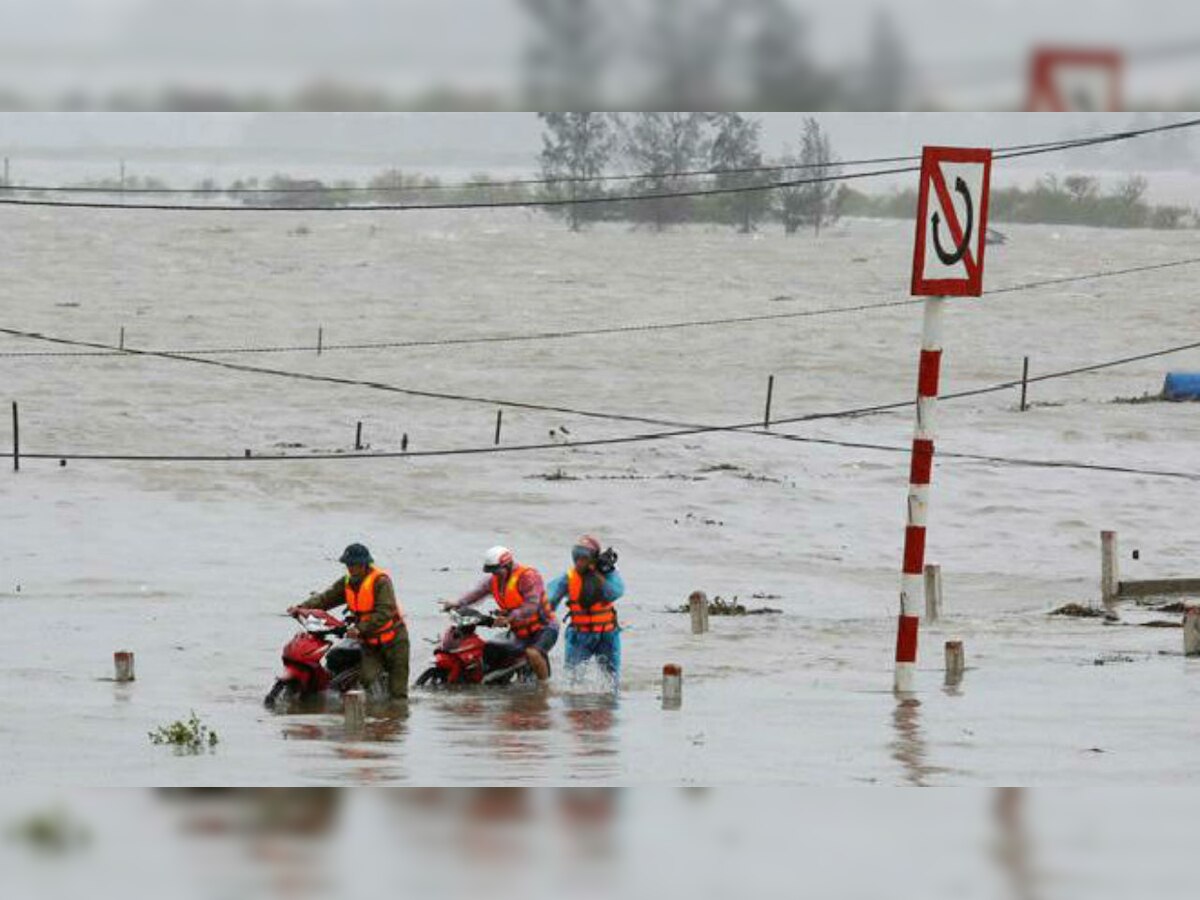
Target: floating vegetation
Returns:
[[190, 736], [1078, 611], [51, 831], [1142, 398]]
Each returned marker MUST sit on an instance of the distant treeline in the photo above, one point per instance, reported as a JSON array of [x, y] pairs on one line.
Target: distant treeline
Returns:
[[1073, 200]]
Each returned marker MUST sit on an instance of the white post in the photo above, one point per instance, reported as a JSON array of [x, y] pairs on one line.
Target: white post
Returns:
[[1191, 630], [956, 662], [355, 709], [672, 686], [1110, 585], [123, 665], [698, 607], [933, 592], [920, 476]]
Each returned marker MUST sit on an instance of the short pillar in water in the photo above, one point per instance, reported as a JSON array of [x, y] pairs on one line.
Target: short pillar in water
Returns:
[[1110, 585], [933, 592], [123, 665], [956, 662], [698, 607], [1191, 630], [355, 709], [672, 686]]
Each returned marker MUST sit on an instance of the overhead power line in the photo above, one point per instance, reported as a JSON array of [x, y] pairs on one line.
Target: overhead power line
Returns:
[[488, 184], [1031, 150], [522, 337]]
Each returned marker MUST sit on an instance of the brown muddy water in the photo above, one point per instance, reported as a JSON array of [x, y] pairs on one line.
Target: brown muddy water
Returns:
[[190, 564]]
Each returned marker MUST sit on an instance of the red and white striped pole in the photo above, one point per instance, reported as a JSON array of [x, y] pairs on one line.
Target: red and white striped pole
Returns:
[[920, 476]]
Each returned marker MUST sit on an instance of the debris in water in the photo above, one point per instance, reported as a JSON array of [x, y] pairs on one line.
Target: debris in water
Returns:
[[718, 606], [1112, 658], [1078, 611], [192, 736]]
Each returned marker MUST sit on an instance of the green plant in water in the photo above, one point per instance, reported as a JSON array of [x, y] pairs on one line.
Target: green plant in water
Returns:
[[190, 736], [52, 831]]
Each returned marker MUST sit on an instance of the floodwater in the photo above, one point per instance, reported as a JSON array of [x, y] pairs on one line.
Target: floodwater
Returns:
[[191, 564]]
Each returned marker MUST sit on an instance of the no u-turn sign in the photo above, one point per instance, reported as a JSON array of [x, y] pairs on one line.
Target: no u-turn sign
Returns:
[[951, 222]]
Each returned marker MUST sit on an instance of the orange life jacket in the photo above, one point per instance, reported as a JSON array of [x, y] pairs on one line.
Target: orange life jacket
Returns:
[[361, 602], [589, 614], [510, 598]]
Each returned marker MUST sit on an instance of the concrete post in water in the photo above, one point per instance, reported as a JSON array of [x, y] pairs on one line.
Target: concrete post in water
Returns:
[[956, 662], [770, 391], [1191, 630], [1110, 585], [355, 709], [16, 439], [123, 665], [698, 607], [933, 592], [672, 686]]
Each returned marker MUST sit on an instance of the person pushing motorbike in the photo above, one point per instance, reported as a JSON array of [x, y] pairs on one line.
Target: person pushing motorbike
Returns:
[[521, 595], [379, 618], [590, 587]]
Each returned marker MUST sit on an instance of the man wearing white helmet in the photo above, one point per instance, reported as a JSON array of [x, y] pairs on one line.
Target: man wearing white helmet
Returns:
[[521, 595]]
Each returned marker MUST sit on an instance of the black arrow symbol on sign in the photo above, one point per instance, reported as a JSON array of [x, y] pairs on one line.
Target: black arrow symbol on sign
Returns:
[[950, 259]]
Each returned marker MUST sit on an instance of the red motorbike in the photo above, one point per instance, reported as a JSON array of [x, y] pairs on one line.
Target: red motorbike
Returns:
[[463, 657], [317, 658]]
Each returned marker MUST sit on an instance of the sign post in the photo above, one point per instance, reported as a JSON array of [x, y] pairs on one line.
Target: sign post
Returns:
[[947, 262]]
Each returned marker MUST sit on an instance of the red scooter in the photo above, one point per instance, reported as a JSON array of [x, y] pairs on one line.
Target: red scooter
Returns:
[[463, 657], [318, 657]]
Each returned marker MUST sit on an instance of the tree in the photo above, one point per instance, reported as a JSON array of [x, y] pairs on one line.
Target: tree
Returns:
[[566, 60], [815, 203], [1081, 187], [576, 146], [659, 145], [735, 145]]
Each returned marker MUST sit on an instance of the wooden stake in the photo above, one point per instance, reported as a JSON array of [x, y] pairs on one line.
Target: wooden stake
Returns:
[[320, 339], [404, 443], [16, 439], [1024, 384], [698, 607], [358, 437], [123, 665], [499, 417], [956, 662], [933, 592], [121, 342], [355, 709], [672, 686], [770, 391], [1110, 585]]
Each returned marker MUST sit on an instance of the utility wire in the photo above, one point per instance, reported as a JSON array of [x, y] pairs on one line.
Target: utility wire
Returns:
[[584, 332], [504, 183], [557, 202]]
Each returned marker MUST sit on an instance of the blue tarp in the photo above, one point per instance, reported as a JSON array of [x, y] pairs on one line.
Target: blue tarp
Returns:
[[1182, 386]]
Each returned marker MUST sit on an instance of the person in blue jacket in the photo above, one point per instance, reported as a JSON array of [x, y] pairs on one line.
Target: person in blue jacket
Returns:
[[591, 587]]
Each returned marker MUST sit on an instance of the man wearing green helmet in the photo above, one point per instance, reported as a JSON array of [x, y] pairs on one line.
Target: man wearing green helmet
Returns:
[[379, 623]]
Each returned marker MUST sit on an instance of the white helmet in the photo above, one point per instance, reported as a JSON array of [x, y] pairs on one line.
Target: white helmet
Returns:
[[497, 558]]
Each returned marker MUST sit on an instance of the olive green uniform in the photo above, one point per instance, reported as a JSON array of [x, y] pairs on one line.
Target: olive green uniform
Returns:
[[391, 658]]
